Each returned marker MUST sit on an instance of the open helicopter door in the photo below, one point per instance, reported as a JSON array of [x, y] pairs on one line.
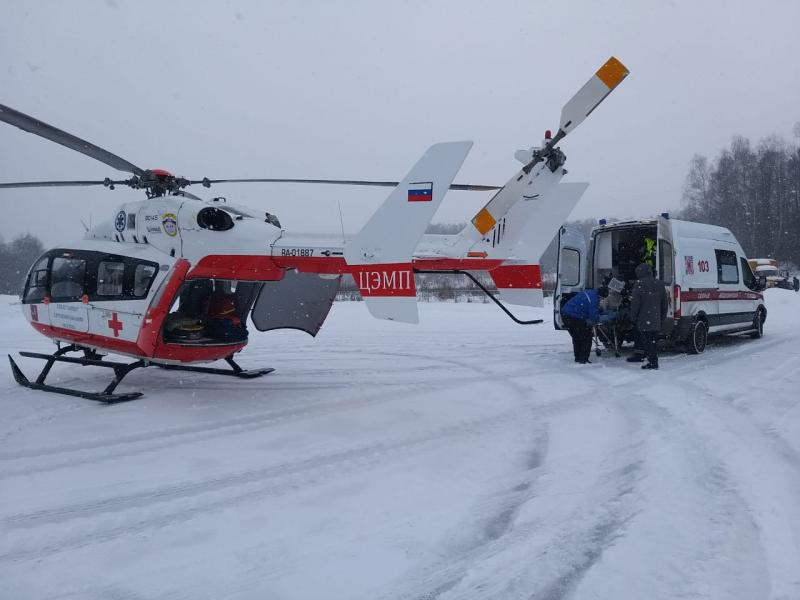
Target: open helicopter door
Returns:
[[298, 301], [379, 256], [570, 269]]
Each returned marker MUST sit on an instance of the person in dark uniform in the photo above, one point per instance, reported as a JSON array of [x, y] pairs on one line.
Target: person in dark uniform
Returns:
[[648, 311], [579, 314], [223, 321]]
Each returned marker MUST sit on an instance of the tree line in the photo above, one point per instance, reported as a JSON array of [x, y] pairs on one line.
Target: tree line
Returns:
[[16, 257], [754, 192]]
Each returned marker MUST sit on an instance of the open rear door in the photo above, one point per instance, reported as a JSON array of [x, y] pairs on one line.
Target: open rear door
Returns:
[[570, 269], [665, 255]]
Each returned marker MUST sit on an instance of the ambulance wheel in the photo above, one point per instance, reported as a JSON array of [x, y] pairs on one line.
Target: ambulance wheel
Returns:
[[758, 325], [698, 338]]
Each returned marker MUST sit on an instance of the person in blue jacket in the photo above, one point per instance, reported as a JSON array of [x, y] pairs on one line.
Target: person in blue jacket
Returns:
[[579, 314]]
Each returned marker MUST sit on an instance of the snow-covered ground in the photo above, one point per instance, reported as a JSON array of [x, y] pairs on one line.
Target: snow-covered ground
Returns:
[[467, 457]]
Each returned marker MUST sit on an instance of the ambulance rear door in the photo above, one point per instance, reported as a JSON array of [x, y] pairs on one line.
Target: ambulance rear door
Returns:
[[665, 259], [570, 269]]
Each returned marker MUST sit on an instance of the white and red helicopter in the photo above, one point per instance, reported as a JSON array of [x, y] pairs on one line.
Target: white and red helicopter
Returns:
[[171, 280]]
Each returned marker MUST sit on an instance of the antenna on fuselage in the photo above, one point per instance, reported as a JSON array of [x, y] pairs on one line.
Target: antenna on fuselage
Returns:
[[341, 219]]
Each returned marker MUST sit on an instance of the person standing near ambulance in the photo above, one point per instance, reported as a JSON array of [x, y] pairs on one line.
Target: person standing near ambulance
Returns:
[[580, 314], [648, 311]]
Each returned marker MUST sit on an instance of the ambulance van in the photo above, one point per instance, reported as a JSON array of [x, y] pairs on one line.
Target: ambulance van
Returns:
[[710, 286]]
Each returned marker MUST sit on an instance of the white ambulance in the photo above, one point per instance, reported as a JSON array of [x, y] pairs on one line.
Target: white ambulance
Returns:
[[711, 288]]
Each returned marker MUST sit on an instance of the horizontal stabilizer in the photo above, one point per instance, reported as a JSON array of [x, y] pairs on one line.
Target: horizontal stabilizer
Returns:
[[542, 218], [519, 284]]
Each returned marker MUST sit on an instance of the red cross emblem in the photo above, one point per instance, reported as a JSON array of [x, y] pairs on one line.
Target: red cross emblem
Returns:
[[115, 324]]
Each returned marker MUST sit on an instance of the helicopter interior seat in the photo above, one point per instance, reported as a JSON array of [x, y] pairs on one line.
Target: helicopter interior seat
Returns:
[[185, 325], [199, 319], [66, 289], [195, 298]]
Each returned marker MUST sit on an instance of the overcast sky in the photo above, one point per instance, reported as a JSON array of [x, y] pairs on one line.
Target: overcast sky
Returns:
[[359, 89]]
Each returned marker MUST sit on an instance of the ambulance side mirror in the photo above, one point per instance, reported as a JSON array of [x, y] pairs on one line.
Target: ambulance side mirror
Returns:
[[762, 282]]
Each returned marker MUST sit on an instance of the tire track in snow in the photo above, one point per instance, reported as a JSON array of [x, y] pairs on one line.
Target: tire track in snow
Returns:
[[708, 524], [502, 379], [268, 481], [766, 469], [570, 549], [150, 441], [494, 532], [597, 524], [243, 423], [498, 514], [632, 508], [577, 542], [357, 458], [721, 502]]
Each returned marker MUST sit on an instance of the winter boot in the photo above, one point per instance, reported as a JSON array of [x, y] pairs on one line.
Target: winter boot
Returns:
[[650, 365]]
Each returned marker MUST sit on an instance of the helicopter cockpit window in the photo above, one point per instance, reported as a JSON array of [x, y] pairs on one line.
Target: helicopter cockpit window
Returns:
[[66, 279], [214, 219], [143, 278], [36, 288], [110, 278]]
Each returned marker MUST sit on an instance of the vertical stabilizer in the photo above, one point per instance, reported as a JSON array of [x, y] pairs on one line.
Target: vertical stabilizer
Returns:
[[379, 256]]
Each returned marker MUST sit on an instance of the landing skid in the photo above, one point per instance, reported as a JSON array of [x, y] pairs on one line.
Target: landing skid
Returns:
[[236, 371], [93, 359]]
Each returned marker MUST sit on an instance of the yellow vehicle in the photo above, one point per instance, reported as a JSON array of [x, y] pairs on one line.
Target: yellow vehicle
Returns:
[[775, 277]]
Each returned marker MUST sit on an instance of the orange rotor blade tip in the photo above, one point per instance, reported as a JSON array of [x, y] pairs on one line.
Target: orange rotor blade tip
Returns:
[[612, 72]]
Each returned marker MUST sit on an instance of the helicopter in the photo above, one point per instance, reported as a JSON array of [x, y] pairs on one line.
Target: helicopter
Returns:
[[171, 280]]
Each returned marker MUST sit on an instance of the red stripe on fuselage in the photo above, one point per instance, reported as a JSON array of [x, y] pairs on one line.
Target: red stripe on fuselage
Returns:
[[336, 265], [504, 276], [386, 280], [83, 338], [460, 264], [237, 266], [520, 277], [695, 296], [166, 352]]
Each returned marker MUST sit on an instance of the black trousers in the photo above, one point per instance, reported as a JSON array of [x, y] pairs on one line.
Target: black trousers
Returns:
[[649, 341], [581, 337]]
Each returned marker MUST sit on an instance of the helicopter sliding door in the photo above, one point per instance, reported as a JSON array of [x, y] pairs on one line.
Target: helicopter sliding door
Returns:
[[298, 301]]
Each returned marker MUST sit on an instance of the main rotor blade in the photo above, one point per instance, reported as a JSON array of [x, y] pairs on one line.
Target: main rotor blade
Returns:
[[34, 184], [48, 132], [455, 186]]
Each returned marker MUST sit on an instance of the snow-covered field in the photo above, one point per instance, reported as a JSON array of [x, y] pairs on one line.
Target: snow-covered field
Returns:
[[465, 458]]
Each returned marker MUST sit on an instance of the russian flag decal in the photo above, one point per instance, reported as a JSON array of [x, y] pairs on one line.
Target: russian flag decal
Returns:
[[420, 191]]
